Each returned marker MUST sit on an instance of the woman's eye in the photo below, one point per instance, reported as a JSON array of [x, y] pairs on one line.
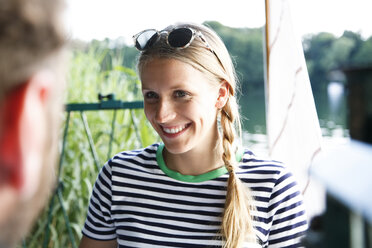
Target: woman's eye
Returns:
[[180, 93], [150, 95]]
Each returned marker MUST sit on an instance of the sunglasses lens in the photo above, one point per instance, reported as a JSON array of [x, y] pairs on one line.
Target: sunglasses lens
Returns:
[[180, 37], [146, 39]]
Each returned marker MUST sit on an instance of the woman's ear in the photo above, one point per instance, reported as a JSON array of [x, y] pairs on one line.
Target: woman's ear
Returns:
[[223, 95]]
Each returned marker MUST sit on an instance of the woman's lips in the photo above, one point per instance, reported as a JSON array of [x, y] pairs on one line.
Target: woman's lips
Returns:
[[175, 130]]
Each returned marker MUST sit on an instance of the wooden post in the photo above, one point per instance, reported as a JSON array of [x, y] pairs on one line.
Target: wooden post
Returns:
[[359, 85]]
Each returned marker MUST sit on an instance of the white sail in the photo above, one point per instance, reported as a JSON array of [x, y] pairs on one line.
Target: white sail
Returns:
[[294, 134]]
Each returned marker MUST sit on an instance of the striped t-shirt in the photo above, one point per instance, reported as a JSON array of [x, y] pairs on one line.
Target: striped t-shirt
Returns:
[[140, 202]]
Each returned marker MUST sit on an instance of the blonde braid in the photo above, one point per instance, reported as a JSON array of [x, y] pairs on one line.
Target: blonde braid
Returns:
[[237, 223]]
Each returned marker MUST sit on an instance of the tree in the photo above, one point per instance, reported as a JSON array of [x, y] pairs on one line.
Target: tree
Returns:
[[245, 47], [363, 56], [318, 58]]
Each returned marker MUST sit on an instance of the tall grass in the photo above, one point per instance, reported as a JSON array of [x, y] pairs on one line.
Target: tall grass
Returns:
[[96, 69]]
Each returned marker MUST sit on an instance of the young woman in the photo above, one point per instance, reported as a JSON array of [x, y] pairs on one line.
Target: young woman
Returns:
[[197, 188]]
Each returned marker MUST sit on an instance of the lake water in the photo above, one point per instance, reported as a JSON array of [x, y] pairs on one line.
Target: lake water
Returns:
[[331, 106]]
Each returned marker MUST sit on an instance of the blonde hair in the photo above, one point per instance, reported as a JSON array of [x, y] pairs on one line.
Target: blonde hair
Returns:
[[237, 222]]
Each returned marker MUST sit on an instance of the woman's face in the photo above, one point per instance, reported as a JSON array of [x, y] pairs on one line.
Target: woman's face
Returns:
[[180, 103]]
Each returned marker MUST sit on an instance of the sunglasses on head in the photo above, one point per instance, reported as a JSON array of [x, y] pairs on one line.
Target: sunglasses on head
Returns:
[[178, 37]]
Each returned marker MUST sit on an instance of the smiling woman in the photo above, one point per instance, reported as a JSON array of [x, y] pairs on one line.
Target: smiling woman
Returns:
[[198, 188], [180, 105]]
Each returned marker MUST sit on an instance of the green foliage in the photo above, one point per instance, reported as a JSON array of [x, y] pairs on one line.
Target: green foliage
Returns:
[[363, 56], [340, 52], [318, 58], [325, 53], [245, 47], [98, 69]]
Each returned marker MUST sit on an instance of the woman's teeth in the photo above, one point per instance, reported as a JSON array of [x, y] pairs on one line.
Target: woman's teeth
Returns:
[[174, 130]]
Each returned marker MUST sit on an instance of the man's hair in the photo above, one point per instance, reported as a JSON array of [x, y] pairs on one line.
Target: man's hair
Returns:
[[30, 32]]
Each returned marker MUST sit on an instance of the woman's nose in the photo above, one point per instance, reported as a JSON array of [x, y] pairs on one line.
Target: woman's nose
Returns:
[[165, 111]]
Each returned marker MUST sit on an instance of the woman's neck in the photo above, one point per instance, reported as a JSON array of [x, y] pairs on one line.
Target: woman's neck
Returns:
[[195, 162]]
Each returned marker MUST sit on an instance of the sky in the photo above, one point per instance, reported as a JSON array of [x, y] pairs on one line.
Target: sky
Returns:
[[98, 19]]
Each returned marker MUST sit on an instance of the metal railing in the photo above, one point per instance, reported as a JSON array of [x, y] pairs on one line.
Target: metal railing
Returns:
[[107, 102]]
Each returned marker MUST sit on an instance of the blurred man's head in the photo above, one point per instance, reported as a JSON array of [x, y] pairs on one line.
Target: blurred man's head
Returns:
[[31, 79]]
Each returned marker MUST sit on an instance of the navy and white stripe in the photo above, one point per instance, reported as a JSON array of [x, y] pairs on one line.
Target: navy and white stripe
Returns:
[[135, 202]]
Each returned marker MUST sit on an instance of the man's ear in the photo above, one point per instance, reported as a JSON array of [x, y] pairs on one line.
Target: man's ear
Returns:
[[23, 132], [223, 95], [11, 112]]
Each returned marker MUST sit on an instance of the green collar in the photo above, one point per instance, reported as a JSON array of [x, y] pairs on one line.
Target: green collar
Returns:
[[189, 178]]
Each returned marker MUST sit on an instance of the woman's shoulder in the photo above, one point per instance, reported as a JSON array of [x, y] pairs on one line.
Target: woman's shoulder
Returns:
[[280, 211], [250, 161], [263, 171], [142, 157]]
